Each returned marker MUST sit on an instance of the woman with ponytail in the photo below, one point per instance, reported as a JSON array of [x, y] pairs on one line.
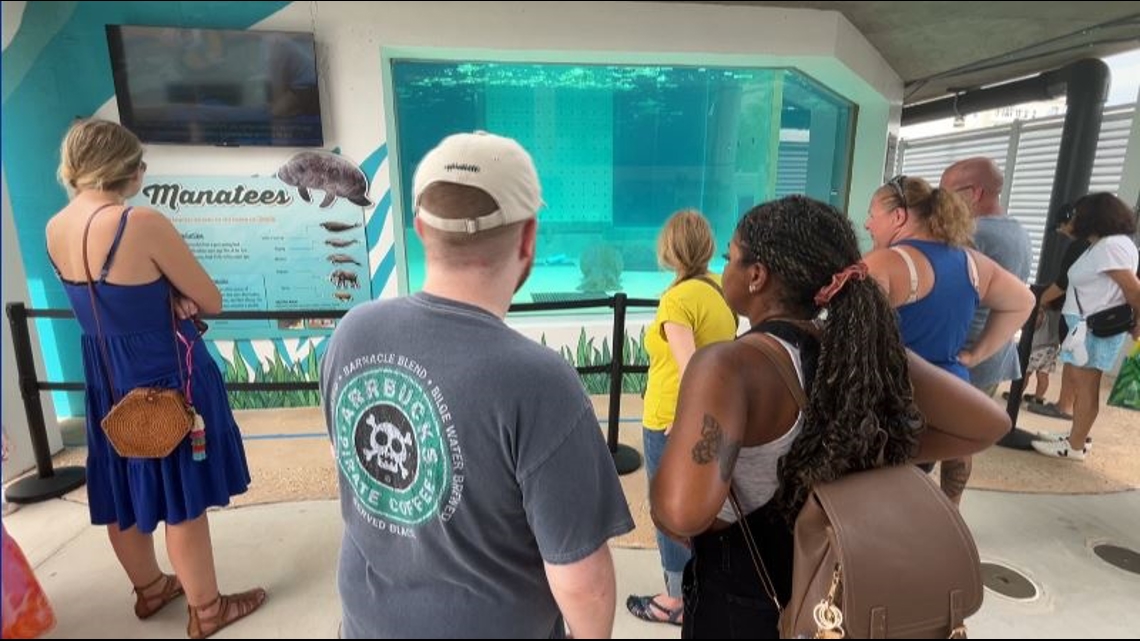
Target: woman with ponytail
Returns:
[[137, 320], [692, 313], [924, 264], [795, 272]]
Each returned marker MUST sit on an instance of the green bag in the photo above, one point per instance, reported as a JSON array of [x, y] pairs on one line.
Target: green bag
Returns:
[[1126, 391]]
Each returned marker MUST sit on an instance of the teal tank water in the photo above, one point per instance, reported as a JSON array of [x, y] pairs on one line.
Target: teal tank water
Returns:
[[621, 148]]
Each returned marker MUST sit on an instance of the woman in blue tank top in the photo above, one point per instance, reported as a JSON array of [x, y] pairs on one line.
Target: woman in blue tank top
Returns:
[[935, 281]]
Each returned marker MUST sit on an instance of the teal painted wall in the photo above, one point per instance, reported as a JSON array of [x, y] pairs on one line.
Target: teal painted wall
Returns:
[[56, 69]]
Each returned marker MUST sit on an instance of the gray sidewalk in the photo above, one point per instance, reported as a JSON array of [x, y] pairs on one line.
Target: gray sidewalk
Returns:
[[290, 548]]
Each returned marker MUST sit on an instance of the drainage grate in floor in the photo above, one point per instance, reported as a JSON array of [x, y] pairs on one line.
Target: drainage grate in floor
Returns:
[[1123, 558], [1007, 582]]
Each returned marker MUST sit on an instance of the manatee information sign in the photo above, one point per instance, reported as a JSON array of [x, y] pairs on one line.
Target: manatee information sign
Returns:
[[269, 245]]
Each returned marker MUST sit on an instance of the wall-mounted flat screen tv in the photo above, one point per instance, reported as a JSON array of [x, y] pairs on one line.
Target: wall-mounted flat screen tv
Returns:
[[217, 87]]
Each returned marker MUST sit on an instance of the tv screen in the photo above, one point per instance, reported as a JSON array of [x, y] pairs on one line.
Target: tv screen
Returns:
[[216, 87]]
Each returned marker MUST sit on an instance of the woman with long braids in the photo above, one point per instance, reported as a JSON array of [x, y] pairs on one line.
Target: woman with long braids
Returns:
[[794, 270]]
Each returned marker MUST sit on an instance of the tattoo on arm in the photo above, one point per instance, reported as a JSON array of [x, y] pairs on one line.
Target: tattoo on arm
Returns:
[[714, 446], [705, 449], [955, 475]]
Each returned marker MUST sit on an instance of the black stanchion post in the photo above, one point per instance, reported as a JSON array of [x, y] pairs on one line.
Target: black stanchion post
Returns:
[[1087, 89], [626, 459], [48, 483], [1017, 438]]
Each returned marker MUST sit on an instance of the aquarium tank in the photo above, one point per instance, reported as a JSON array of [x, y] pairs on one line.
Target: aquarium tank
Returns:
[[620, 148]]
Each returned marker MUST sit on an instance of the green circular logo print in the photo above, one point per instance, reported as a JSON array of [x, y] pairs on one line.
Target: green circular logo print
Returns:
[[391, 446]]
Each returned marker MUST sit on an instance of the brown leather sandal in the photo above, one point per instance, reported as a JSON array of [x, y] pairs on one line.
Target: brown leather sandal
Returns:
[[147, 605], [231, 608]]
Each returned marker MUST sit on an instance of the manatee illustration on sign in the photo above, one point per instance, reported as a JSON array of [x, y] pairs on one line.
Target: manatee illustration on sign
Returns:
[[336, 227], [327, 172]]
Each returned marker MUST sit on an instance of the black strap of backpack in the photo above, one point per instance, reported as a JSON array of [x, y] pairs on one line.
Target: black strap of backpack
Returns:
[[1077, 294]]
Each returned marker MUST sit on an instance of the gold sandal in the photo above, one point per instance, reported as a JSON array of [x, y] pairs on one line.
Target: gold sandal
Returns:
[[231, 608], [147, 606]]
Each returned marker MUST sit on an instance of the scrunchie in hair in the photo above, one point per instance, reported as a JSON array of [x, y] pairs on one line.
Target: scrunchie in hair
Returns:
[[858, 271]]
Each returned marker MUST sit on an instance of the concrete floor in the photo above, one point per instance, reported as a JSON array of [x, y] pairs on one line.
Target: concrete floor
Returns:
[[292, 553], [289, 544]]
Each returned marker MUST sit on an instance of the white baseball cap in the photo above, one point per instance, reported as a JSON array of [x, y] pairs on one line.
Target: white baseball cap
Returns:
[[498, 166]]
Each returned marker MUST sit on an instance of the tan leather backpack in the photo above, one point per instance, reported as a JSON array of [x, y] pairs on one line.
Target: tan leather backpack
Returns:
[[879, 554]]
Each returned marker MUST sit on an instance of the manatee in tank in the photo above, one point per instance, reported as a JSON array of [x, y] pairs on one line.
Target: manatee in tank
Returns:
[[330, 173]]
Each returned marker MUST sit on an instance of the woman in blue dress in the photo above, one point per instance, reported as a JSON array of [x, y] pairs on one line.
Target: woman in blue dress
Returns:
[[135, 287]]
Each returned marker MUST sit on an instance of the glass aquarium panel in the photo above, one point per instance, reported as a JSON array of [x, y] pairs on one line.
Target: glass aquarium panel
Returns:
[[621, 148]]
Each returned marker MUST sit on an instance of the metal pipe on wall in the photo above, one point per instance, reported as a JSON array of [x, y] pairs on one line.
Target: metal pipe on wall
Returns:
[[1085, 86]]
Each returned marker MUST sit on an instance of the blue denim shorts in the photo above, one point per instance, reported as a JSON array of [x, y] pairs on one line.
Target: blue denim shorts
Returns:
[[1103, 352]]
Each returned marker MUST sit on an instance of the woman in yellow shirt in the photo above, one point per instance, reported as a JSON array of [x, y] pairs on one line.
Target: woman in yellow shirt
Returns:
[[692, 313]]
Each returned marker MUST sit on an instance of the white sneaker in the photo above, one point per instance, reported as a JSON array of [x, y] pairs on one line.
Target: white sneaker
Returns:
[[1060, 449], [1063, 436]]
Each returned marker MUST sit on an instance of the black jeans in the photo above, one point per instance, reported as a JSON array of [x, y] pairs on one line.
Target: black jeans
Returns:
[[724, 598]]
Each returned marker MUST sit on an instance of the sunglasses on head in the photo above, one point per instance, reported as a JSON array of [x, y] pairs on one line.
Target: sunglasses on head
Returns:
[[898, 183]]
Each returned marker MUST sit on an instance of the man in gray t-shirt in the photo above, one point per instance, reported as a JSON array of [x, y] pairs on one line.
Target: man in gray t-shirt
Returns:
[[979, 181], [1004, 240], [477, 492]]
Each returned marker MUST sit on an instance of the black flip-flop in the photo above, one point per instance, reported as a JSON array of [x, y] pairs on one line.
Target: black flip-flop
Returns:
[[1028, 398], [1048, 409], [646, 608]]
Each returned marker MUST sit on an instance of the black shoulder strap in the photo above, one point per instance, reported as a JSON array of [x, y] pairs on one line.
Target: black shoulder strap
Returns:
[[704, 278]]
